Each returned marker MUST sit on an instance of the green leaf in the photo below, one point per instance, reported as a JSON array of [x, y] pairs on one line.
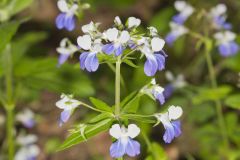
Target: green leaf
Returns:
[[130, 63], [100, 117], [233, 101], [210, 94], [99, 104], [139, 118], [90, 131], [131, 103], [7, 31]]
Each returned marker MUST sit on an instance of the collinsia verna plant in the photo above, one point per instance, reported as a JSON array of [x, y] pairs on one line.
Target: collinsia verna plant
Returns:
[[217, 31], [122, 43]]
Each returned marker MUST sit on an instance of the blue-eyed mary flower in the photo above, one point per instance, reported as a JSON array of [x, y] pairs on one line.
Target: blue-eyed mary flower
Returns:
[[116, 41], [124, 141], [152, 49], [67, 104], [171, 124], [175, 83], [154, 91], [218, 16], [66, 19], [185, 10], [28, 150], [226, 44], [26, 117], [177, 30], [66, 49], [88, 58]]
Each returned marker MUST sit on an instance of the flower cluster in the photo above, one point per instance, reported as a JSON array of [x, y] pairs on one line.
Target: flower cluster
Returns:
[[69, 10], [29, 150], [177, 25], [225, 39], [117, 45], [113, 43]]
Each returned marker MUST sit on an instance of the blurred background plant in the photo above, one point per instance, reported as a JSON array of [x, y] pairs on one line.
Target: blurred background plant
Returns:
[[28, 39]]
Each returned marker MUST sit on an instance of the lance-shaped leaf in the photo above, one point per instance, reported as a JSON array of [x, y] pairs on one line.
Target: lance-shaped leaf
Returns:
[[99, 104], [7, 31], [233, 101], [89, 131], [131, 103]]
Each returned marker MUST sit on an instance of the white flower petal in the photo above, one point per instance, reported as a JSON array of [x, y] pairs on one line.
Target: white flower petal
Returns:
[[133, 130], [220, 9], [88, 27], [180, 5], [115, 131], [67, 103], [133, 22], [117, 21], [157, 44], [111, 34], [84, 42], [62, 6], [174, 112], [124, 37]]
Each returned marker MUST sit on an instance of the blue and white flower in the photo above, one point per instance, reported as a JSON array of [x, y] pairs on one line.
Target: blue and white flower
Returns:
[[88, 58], [91, 29], [218, 15], [28, 150], [117, 41], [154, 91], [68, 104], [185, 10], [175, 83], [171, 124], [177, 30], [66, 49], [152, 49], [125, 143], [226, 44], [26, 117], [66, 19]]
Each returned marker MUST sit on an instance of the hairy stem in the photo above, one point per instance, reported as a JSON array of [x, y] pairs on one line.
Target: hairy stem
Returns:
[[217, 102], [117, 86]]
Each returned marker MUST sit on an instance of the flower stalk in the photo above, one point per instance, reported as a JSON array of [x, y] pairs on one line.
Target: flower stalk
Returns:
[[217, 102], [117, 87]]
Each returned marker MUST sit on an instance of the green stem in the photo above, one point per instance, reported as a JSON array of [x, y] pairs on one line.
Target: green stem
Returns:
[[10, 132], [9, 104], [217, 102], [117, 87]]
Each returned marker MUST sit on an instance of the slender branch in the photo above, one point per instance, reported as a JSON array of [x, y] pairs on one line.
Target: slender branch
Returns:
[[217, 102], [10, 134]]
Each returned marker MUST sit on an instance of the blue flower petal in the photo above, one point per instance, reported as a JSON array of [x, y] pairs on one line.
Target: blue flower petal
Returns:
[[161, 61], [91, 62], [108, 48], [150, 66], [65, 115], [119, 50], [117, 149], [69, 22], [133, 148], [169, 133], [29, 124], [177, 128], [170, 38], [82, 59], [62, 58], [161, 98], [228, 49], [168, 91], [60, 20], [179, 18]]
